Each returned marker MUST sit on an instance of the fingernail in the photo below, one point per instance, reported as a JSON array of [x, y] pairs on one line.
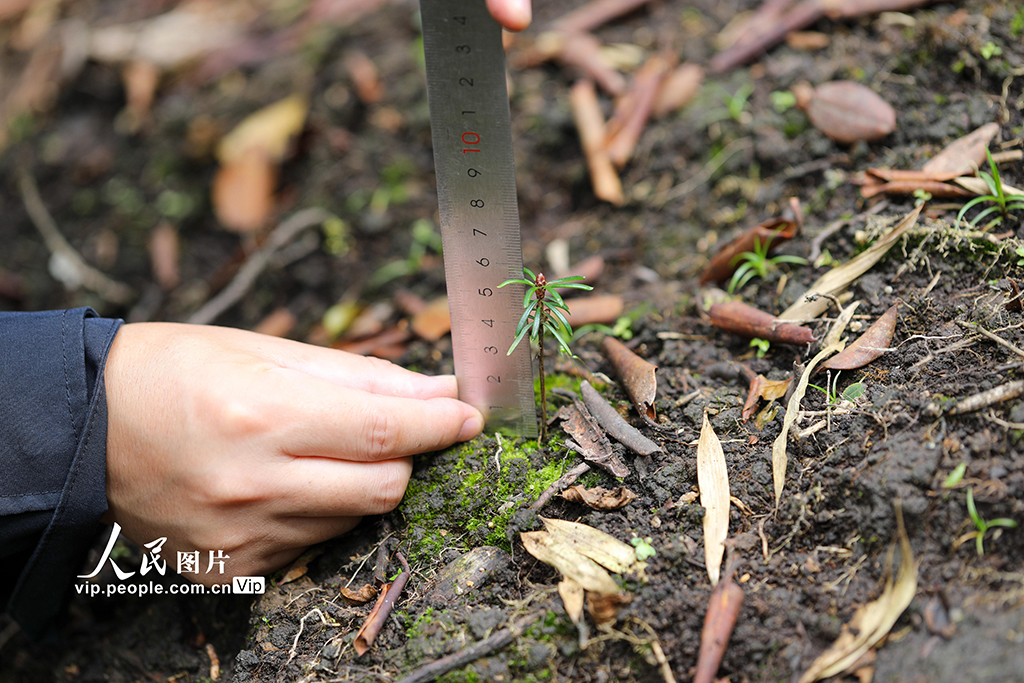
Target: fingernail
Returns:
[[523, 13], [471, 427]]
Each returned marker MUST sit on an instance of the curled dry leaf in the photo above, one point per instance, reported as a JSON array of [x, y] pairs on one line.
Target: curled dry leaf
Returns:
[[978, 186], [871, 622], [768, 389], [365, 77], [300, 566], [434, 321], [601, 309], [590, 441], [635, 107], [600, 498], [713, 482], [586, 111], [747, 321], [767, 235], [723, 610], [637, 375], [677, 89], [613, 423], [964, 155], [908, 186], [361, 595], [846, 111], [868, 346], [813, 302]]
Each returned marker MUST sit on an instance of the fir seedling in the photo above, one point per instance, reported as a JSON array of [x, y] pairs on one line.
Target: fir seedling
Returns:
[[544, 314], [1002, 202], [757, 263], [982, 525]]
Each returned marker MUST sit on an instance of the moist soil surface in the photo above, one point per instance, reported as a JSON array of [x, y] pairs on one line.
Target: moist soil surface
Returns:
[[730, 159]]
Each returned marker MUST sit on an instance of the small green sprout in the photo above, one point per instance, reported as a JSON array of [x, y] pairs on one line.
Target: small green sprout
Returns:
[[543, 315], [833, 396], [757, 263], [921, 197], [643, 548], [990, 50], [782, 100], [982, 525], [762, 346], [1020, 252], [1003, 203], [956, 476]]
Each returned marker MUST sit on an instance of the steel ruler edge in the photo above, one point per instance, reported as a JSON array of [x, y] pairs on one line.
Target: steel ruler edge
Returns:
[[476, 190]]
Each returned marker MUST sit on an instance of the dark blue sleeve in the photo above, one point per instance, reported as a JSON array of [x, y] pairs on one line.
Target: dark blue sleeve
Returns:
[[53, 446]]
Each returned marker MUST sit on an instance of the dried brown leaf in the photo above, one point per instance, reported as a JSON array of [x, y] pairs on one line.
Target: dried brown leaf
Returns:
[[603, 548], [300, 566], [365, 77], [165, 255], [846, 111], [978, 186], [270, 129], [873, 621], [243, 191], [747, 321], [713, 482], [678, 89], [838, 279], [362, 595], [278, 323], [568, 561], [636, 374], [964, 155], [869, 346], [903, 187], [600, 309], [434, 321], [600, 498], [590, 441], [768, 389], [604, 609], [571, 593], [630, 119]]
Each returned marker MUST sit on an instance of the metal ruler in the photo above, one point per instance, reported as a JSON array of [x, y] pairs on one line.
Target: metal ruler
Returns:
[[476, 191]]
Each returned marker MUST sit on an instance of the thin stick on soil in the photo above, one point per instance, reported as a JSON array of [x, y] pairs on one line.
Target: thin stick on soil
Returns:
[[561, 483], [256, 264], [87, 276], [615, 424], [492, 643]]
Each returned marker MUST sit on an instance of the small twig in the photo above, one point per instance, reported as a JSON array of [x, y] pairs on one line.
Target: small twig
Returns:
[[561, 483], [984, 399], [597, 13], [302, 625], [591, 127], [60, 248], [974, 327], [704, 174], [991, 415], [492, 643], [382, 610], [615, 424], [255, 265]]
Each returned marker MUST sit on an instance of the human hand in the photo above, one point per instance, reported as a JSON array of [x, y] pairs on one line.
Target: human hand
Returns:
[[222, 439], [515, 15]]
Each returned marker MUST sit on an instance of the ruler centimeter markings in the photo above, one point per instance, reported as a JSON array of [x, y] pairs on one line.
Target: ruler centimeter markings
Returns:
[[476, 191]]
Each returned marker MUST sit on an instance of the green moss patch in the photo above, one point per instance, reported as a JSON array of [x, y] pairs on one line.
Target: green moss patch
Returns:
[[463, 497]]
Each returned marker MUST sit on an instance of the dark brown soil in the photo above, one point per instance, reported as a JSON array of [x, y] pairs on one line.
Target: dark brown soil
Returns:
[[806, 565]]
